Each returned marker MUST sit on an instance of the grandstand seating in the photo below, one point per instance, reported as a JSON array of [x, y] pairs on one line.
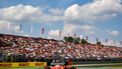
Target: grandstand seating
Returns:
[[33, 47]]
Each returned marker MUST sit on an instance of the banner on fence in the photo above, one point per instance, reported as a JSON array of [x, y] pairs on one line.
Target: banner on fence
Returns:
[[22, 64]]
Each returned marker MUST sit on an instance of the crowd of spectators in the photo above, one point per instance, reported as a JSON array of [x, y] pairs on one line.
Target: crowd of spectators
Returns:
[[33, 47]]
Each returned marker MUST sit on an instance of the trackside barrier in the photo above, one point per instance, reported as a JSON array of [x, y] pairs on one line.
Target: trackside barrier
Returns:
[[23, 64]]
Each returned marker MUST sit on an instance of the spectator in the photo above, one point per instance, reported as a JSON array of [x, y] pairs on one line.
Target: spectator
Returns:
[[44, 48]]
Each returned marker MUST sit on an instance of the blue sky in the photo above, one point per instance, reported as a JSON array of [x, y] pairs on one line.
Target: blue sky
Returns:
[[93, 18], [51, 3]]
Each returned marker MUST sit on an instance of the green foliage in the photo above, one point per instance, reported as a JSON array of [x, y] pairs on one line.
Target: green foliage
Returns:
[[69, 39], [76, 40], [83, 41], [98, 43], [65, 38]]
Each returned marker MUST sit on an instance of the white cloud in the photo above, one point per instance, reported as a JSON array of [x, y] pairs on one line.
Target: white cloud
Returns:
[[112, 43], [17, 28], [28, 13], [9, 28], [18, 13], [81, 36], [95, 12], [53, 34], [70, 28], [87, 27], [4, 25], [99, 9], [74, 17], [114, 33], [77, 14], [13, 16], [91, 32], [57, 11]]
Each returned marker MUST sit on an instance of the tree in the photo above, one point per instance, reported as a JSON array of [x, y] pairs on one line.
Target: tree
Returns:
[[65, 38], [68, 39], [76, 40], [83, 41], [98, 43]]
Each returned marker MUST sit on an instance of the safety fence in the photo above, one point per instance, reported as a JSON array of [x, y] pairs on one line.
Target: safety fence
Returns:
[[23, 64]]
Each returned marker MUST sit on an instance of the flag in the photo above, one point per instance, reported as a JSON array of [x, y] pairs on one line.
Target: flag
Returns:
[[8, 26], [75, 35], [31, 30], [86, 38], [97, 39], [60, 33], [20, 29], [120, 42], [81, 36], [42, 31], [106, 40]]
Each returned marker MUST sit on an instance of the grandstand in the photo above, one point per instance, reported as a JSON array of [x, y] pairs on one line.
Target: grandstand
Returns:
[[31, 47], [23, 49]]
